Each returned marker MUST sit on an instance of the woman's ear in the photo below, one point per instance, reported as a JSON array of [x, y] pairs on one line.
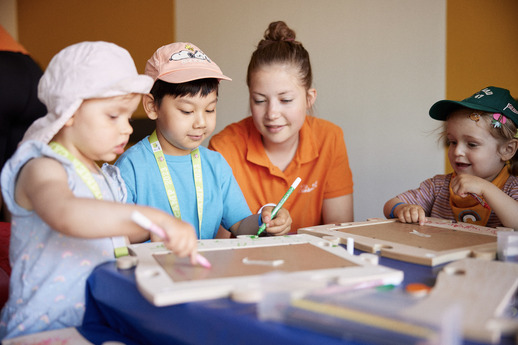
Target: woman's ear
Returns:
[[311, 97], [148, 102], [508, 150]]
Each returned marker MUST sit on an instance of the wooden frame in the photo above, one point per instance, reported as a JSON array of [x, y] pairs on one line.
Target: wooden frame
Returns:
[[436, 242], [297, 262]]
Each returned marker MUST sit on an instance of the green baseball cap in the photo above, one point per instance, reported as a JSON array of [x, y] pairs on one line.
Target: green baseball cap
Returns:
[[490, 99]]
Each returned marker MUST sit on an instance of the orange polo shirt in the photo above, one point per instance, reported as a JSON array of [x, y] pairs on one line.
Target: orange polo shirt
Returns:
[[321, 162]]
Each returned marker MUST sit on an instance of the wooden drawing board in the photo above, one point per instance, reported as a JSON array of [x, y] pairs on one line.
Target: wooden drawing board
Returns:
[[482, 289], [431, 244], [312, 262], [472, 299]]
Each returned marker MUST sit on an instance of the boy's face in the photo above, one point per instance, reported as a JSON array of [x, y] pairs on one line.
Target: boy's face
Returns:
[[184, 122]]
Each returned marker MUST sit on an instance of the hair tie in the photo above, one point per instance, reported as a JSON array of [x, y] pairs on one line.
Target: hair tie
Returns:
[[498, 120], [474, 117]]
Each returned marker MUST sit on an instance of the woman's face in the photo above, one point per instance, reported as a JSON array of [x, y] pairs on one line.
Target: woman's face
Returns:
[[279, 103]]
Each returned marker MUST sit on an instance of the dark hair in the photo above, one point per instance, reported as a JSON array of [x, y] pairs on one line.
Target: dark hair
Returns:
[[279, 46], [203, 87]]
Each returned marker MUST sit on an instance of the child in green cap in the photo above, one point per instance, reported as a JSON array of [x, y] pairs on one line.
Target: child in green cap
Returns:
[[482, 139]]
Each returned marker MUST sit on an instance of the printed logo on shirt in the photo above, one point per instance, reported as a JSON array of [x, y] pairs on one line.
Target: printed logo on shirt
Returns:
[[469, 216], [307, 189]]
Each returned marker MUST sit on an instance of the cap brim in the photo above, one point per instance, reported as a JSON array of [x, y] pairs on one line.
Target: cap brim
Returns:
[[441, 109], [186, 75]]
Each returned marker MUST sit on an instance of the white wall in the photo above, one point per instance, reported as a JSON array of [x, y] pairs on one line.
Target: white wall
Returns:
[[378, 67]]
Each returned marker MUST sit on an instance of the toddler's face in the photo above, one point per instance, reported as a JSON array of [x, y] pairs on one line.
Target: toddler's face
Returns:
[[186, 121], [471, 148], [100, 127], [278, 102]]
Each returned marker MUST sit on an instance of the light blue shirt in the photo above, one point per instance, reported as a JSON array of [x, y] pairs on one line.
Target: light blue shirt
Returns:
[[223, 201], [49, 269]]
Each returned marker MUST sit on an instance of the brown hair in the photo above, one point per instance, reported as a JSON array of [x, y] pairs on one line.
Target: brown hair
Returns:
[[279, 46]]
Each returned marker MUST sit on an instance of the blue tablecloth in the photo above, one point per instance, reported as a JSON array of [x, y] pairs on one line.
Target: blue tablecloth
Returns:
[[115, 310]]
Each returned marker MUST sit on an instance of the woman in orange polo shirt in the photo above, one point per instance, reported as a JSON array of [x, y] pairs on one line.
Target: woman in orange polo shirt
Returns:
[[280, 142]]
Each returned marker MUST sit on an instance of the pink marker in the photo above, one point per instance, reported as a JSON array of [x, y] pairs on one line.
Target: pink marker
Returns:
[[147, 224]]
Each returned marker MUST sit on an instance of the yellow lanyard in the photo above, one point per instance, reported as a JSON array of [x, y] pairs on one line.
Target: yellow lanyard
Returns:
[[119, 242], [168, 181]]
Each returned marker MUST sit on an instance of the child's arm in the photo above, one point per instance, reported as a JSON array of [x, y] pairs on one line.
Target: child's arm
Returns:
[[42, 187], [405, 213], [505, 207], [338, 210], [280, 225]]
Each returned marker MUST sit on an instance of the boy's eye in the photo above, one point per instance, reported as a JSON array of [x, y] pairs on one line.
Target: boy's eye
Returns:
[[472, 144], [286, 100], [210, 111], [186, 112]]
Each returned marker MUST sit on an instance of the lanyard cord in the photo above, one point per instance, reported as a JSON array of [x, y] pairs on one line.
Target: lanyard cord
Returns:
[[119, 242], [168, 181]]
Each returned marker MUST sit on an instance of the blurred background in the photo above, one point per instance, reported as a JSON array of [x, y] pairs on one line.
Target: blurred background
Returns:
[[378, 64]]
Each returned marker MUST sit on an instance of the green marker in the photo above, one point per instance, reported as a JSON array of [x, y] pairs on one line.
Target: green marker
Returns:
[[279, 205]]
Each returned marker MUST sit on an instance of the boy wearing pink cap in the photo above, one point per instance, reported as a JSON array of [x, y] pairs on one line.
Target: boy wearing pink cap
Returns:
[[169, 169]]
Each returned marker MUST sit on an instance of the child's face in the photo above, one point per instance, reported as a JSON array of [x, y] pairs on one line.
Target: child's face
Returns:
[[279, 103], [184, 122], [100, 127], [471, 148]]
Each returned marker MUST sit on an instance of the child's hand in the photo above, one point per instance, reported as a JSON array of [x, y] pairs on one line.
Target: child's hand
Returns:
[[181, 239], [463, 184], [407, 213], [280, 225]]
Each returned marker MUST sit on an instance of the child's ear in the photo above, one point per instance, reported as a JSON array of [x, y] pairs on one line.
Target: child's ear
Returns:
[[148, 102], [508, 150], [70, 121]]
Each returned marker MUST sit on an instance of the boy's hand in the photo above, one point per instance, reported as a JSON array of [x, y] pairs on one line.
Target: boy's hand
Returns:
[[407, 213], [280, 225]]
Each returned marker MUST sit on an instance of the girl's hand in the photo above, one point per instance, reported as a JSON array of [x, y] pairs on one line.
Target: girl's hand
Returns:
[[407, 213], [463, 184], [280, 225], [181, 239]]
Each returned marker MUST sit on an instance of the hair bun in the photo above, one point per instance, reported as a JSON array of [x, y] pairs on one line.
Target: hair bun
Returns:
[[277, 32]]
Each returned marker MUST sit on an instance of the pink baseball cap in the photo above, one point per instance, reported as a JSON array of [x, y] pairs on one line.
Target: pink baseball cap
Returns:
[[181, 62]]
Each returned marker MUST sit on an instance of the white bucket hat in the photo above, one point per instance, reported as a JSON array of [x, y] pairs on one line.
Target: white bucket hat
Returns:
[[82, 71]]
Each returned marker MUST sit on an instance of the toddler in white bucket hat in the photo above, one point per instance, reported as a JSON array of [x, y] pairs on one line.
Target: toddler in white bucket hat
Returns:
[[82, 71], [69, 215]]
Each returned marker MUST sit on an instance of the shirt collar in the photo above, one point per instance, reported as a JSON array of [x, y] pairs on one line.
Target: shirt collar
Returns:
[[306, 152]]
